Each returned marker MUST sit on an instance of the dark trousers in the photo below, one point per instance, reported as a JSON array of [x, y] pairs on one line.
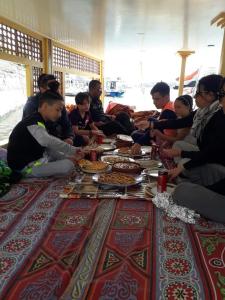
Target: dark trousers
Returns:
[[206, 202], [121, 125]]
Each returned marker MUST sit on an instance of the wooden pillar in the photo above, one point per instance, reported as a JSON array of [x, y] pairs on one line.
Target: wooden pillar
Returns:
[[47, 56], [219, 20], [222, 57], [184, 54], [29, 80], [102, 80]]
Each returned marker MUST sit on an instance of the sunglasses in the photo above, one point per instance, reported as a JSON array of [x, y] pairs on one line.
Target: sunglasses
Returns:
[[221, 94]]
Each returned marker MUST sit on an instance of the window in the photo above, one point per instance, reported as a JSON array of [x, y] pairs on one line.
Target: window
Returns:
[[12, 95], [73, 85]]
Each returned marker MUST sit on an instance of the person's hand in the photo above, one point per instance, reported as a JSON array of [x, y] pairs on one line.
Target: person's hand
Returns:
[[175, 172], [79, 154], [136, 149], [113, 117], [142, 125], [97, 132], [174, 152], [156, 132], [68, 141]]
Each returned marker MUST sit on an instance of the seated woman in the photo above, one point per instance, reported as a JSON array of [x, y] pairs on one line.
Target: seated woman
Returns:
[[205, 165], [80, 118], [208, 201], [183, 108]]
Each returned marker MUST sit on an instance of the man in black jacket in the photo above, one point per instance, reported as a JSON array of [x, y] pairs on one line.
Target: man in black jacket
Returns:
[[109, 124], [62, 128]]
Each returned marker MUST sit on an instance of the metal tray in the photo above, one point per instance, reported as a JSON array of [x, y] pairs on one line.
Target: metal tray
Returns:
[[138, 179]]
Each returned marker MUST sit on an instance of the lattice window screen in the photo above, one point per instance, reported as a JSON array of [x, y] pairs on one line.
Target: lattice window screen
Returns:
[[59, 77], [36, 72], [66, 59], [17, 43]]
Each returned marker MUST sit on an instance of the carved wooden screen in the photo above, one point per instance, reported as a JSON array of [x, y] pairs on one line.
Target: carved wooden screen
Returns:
[[15, 42], [36, 72], [67, 59]]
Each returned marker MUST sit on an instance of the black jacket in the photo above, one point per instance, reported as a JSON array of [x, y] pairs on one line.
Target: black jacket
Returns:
[[61, 129], [211, 145], [23, 148], [176, 123]]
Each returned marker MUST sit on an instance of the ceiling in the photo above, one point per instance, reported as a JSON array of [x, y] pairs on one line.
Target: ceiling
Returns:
[[101, 27]]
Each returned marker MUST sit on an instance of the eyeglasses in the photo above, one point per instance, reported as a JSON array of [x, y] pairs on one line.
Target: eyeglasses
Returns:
[[221, 94], [200, 93]]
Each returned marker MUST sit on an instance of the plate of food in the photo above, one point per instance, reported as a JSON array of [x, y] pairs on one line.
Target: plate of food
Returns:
[[127, 167], [126, 151], [151, 189], [112, 159], [147, 163], [125, 138], [107, 147], [117, 179], [93, 167]]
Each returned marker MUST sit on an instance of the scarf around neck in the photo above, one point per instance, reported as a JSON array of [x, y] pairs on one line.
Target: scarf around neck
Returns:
[[202, 117]]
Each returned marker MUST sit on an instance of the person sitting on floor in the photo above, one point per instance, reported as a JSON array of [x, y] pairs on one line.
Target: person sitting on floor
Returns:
[[208, 201], [32, 151], [109, 124], [206, 164], [183, 108], [62, 127], [161, 98], [80, 118]]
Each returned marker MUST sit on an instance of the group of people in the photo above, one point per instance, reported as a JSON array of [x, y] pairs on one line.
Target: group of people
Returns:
[[48, 140], [197, 144]]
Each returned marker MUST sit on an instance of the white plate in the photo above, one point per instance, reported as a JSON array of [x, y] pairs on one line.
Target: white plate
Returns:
[[108, 141], [138, 179], [116, 152], [152, 188], [124, 137], [151, 172], [127, 159], [147, 149], [107, 147], [147, 163]]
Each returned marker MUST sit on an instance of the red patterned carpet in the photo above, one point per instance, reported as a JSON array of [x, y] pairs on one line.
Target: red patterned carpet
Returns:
[[54, 248]]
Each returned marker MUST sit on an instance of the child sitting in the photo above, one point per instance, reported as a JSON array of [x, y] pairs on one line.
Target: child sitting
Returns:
[[183, 108], [32, 151], [80, 118]]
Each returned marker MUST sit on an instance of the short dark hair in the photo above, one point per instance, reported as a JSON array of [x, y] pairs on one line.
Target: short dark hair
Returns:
[[50, 98], [80, 97], [43, 80], [162, 88], [186, 100], [211, 83], [93, 83]]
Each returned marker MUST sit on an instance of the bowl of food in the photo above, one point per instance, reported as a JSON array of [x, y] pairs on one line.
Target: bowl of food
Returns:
[[127, 167]]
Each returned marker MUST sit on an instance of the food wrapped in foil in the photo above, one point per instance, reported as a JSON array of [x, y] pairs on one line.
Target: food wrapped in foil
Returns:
[[165, 202]]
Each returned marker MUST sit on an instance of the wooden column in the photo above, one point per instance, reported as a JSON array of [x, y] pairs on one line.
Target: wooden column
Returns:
[[47, 56], [184, 54], [219, 20]]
